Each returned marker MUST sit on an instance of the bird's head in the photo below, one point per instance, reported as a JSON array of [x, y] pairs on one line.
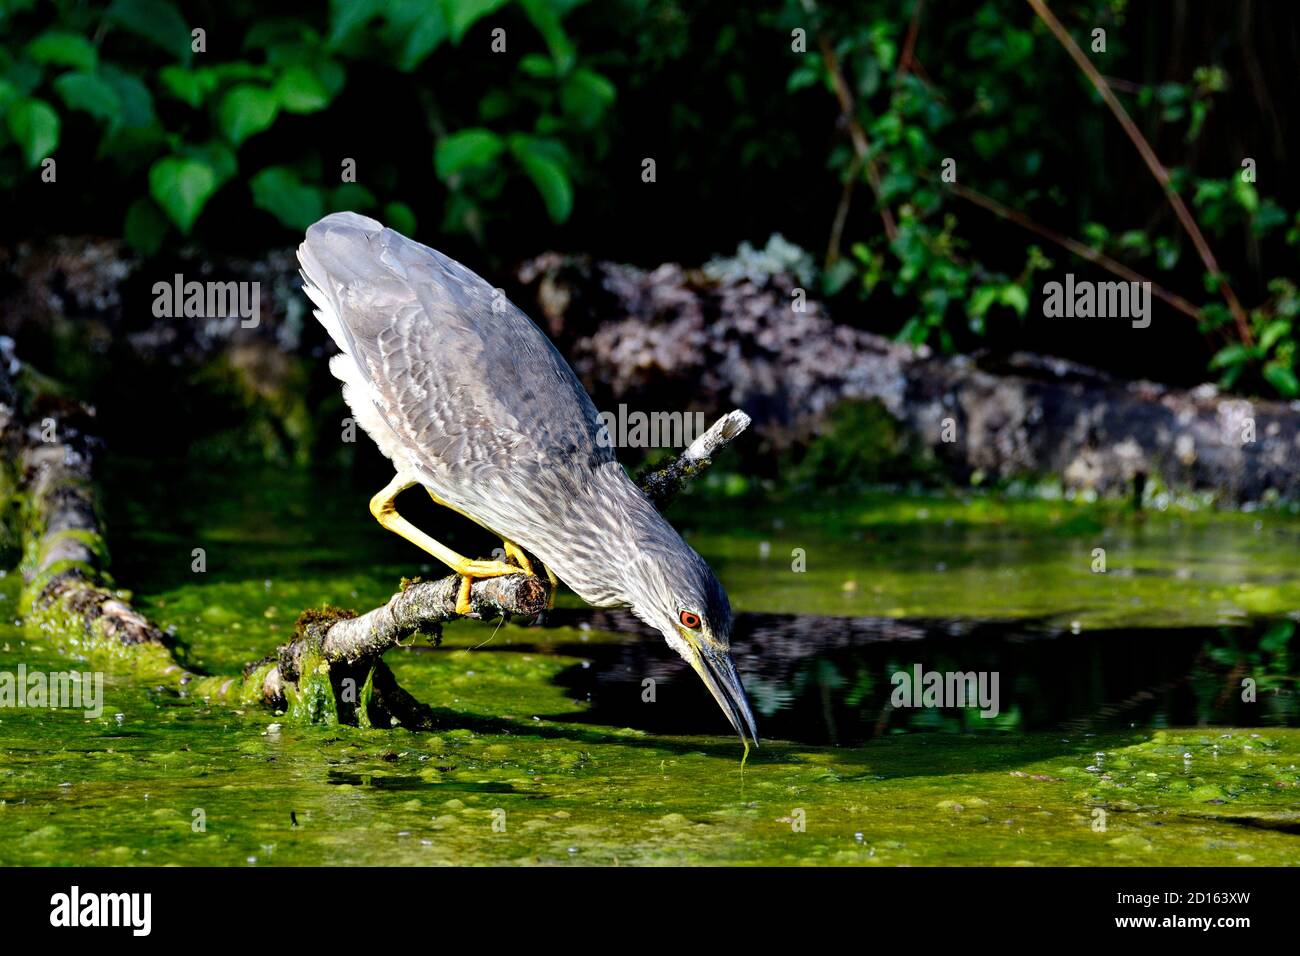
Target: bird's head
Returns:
[[675, 591]]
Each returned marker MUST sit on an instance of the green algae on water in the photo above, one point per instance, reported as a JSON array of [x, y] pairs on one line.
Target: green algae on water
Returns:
[[122, 789]]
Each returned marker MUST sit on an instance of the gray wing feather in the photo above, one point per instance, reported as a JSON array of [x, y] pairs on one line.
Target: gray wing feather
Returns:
[[476, 393]]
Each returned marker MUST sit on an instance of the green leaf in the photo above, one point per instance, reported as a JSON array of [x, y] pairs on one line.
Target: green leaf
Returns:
[[1235, 354], [534, 64], [57, 48], [1208, 191], [35, 126], [145, 226], [1096, 234], [1200, 110], [352, 197], [215, 154], [1246, 196], [8, 93], [398, 215], [804, 75], [189, 86], [1229, 378], [544, 17], [279, 191], [913, 331], [1167, 93], [1282, 378], [1277, 637], [1135, 241], [1269, 216], [347, 15], [1016, 298], [239, 71], [586, 95], [466, 149], [1272, 332], [157, 21], [981, 300], [90, 94], [332, 76], [245, 111], [463, 14], [182, 186], [552, 149], [837, 276], [136, 100], [415, 28], [550, 177], [300, 91], [1166, 253], [24, 76]]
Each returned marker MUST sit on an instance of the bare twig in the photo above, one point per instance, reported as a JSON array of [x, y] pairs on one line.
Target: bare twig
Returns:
[[861, 148], [1074, 246], [905, 60], [1126, 86], [842, 211], [857, 134], [1152, 161]]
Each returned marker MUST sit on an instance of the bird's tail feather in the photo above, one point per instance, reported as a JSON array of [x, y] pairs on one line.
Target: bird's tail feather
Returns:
[[325, 270]]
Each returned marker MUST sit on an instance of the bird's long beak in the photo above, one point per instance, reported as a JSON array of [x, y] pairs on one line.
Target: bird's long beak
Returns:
[[718, 671]]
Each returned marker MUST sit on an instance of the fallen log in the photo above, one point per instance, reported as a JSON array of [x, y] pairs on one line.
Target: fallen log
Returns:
[[742, 334], [49, 451]]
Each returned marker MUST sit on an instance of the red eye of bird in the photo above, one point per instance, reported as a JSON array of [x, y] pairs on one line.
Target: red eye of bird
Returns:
[[690, 620]]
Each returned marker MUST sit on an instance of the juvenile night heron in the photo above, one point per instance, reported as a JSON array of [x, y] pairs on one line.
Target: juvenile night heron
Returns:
[[470, 401]]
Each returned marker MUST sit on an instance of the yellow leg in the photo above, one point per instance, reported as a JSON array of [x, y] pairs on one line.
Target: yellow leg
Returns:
[[555, 586], [514, 551], [383, 507], [462, 595]]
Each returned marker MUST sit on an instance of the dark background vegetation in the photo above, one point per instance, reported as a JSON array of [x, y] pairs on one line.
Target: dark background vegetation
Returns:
[[494, 157]]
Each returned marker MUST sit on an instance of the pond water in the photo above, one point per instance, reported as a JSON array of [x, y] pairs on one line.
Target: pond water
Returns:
[[1121, 734]]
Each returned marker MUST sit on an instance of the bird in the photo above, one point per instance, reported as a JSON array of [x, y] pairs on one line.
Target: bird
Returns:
[[472, 402]]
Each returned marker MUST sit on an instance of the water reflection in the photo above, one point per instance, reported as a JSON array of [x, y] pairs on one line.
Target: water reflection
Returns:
[[829, 680]]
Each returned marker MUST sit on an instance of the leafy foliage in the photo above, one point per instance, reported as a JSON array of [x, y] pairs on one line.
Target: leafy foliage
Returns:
[[980, 104], [514, 118], [188, 121]]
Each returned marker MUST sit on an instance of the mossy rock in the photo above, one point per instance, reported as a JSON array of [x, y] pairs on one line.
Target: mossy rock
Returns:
[[858, 443]]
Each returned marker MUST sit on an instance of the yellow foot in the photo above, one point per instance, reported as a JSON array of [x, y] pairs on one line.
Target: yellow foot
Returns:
[[470, 571], [517, 554], [463, 606]]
